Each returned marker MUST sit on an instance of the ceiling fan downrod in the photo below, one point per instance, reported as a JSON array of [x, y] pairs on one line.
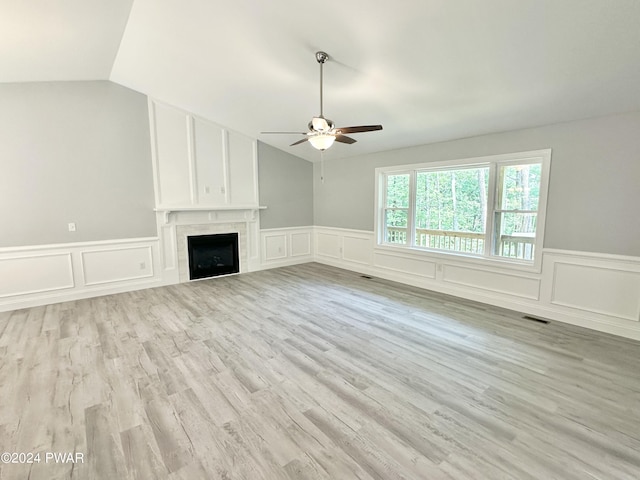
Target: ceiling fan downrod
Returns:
[[321, 57]]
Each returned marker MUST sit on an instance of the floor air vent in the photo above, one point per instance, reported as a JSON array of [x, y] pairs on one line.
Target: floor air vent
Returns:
[[366, 276], [534, 319]]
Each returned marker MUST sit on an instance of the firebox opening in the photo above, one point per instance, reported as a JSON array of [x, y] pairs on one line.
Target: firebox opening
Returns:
[[213, 255]]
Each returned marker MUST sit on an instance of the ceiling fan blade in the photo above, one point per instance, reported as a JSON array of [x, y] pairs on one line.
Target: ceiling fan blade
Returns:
[[283, 133], [299, 142], [362, 128], [345, 139]]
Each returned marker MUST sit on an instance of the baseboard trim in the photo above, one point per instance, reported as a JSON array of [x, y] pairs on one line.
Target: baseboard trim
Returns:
[[53, 298], [283, 263]]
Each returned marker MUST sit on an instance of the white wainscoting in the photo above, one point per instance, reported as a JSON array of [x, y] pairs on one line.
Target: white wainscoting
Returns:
[[42, 272], [352, 247], [491, 281], [596, 291], [286, 246], [39, 275], [409, 264], [605, 285], [101, 267]]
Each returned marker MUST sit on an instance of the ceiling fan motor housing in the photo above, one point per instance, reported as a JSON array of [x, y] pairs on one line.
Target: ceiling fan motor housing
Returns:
[[320, 124]]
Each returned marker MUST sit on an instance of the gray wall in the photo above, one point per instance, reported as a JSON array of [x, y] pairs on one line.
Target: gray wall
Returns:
[[286, 188], [74, 152], [594, 190]]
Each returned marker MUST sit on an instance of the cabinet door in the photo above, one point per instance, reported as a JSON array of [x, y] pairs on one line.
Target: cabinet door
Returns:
[[242, 170], [173, 179], [210, 163]]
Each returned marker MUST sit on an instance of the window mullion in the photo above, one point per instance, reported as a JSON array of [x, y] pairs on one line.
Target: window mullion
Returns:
[[491, 209], [411, 217], [383, 185]]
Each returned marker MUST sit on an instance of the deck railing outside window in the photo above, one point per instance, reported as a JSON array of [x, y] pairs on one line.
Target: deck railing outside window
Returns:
[[510, 246]]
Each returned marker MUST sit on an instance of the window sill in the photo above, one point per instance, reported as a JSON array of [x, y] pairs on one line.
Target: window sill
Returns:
[[463, 258]]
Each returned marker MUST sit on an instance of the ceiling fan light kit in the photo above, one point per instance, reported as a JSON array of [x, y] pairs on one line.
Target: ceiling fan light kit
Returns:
[[321, 141], [322, 131]]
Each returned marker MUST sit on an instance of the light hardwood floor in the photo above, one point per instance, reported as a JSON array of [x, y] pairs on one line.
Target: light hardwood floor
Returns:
[[311, 372]]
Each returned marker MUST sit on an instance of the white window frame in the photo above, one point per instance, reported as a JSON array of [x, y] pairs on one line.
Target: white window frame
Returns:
[[543, 157], [408, 208]]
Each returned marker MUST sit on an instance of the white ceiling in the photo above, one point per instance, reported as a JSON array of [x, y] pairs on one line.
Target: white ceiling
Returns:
[[46, 40], [428, 70]]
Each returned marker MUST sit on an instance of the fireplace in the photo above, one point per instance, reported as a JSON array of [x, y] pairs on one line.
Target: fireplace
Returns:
[[213, 255]]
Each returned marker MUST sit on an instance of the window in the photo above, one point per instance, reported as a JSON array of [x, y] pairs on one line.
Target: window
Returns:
[[516, 213], [451, 209], [396, 212], [490, 207]]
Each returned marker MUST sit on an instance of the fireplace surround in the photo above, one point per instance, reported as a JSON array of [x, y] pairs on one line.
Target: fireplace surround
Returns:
[[175, 225], [183, 232]]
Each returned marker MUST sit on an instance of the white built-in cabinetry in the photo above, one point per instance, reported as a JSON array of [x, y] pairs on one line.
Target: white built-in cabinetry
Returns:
[[206, 182], [200, 164]]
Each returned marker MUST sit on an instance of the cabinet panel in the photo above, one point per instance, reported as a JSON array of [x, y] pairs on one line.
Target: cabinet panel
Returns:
[[173, 176], [200, 164], [210, 163], [242, 170]]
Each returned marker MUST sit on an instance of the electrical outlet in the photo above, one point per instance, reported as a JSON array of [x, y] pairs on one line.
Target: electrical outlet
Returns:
[[143, 265], [72, 227]]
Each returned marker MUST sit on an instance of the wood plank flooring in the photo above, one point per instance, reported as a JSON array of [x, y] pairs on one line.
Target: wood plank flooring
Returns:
[[311, 372]]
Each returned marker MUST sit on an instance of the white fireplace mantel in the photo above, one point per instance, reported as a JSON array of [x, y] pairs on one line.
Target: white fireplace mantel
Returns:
[[211, 213]]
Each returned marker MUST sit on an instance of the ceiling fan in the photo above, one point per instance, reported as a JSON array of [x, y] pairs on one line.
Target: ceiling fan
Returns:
[[322, 131]]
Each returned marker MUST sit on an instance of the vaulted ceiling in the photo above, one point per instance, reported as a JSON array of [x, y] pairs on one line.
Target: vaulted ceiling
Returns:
[[428, 70]]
